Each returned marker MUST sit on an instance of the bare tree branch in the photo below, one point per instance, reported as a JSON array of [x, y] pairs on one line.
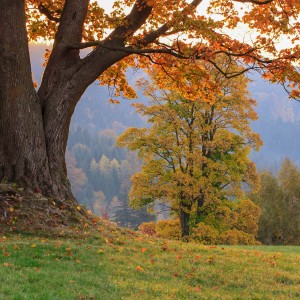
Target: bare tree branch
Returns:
[[258, 2]]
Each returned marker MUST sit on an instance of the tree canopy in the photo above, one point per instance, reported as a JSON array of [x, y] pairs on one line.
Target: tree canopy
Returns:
[[154, 30]]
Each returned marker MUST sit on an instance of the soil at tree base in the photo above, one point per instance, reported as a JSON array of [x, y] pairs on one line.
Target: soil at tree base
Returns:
[[23, 210]]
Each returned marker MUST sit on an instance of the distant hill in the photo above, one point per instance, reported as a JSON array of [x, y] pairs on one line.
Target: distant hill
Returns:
[[278, 124]]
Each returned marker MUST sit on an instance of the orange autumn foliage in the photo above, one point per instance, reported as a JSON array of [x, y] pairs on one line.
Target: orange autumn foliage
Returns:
[[195, 30]]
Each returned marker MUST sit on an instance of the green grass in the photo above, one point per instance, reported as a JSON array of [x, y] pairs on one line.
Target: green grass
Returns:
[[125, 266]]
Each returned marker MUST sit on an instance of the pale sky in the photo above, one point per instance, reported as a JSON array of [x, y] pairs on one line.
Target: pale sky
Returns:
[[106, 4]]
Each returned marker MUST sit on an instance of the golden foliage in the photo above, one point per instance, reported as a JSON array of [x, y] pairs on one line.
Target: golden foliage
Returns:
[[237, 237], [169, 229], [204, 234], [148, 228], [194, 148]]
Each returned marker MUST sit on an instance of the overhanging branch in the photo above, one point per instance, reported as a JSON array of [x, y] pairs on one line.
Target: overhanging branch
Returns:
[[255, 1]]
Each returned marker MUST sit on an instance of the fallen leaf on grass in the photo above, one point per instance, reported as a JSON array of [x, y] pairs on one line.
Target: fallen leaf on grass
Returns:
[[195, 289], [189, 275], [273, 263], [140, 269]]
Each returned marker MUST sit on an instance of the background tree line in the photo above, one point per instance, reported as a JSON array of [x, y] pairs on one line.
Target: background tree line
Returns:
[[279, 199], [99, 174]]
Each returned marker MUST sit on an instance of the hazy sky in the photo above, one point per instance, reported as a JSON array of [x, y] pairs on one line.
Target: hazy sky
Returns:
[[106, 4]]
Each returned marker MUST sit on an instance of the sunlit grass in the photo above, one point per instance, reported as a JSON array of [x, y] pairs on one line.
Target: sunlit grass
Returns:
[[124, 266]]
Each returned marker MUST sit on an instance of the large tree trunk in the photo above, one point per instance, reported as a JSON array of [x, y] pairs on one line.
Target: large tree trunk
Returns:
[[23, 155], [27, 163]]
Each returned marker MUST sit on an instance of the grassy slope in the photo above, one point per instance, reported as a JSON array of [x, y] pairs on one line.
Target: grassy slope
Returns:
[[120, 265]]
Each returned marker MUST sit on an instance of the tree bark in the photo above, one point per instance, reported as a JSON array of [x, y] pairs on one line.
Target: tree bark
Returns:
[[185, 220], [200, 203], [43, 198], [23, 156]]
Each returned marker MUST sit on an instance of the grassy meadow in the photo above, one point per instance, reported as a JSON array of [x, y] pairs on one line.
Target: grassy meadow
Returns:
[[119, 264]]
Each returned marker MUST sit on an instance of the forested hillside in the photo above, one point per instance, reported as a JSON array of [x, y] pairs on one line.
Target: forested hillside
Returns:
[[100, 172], [278, 125]]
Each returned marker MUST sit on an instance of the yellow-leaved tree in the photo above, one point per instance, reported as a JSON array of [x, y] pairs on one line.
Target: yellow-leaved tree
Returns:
[[195, 151]]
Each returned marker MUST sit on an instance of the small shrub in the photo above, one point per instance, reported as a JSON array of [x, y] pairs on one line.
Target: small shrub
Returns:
[[204, 234], [169, 229], [148, 228], [249, 214], [237, 237], [222, 218]]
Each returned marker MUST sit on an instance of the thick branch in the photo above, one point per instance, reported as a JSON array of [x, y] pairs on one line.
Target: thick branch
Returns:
[[128, 50], [153, 35], [46, 12], [132, 22], [94, 63], [69, 31], [101, 59], [71, 21]]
